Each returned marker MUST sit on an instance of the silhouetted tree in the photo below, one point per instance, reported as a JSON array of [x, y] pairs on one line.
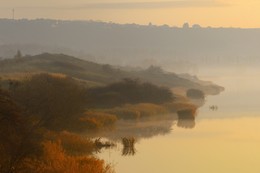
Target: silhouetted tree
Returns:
[[18, 138], [18, 54], [186, 25], [186, 118]]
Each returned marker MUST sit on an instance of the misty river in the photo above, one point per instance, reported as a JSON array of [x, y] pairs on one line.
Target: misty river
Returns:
[[225, 140]]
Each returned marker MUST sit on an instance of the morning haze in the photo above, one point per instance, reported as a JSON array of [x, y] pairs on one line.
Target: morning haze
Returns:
[[185, 49], [216, 13], [123, 86]]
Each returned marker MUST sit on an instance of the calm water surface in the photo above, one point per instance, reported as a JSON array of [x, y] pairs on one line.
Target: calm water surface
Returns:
[[222, 141]]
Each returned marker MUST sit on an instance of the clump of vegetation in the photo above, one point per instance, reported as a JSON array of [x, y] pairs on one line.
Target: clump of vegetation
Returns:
[[18, 54], [73, 144], [53, 100], [195, 94], [19, 139], [137, 111], [128, 144], [100, 144], [95, 120], [186, 118], [185, 123], [178, 106], [55, 160], [128, 91], [186, 114]]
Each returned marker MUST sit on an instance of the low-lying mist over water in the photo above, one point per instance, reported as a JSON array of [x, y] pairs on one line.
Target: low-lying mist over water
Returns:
[[90, 96], [241, 91], [223, 140]]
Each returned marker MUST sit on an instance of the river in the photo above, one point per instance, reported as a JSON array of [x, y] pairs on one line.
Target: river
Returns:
[[225, 140]]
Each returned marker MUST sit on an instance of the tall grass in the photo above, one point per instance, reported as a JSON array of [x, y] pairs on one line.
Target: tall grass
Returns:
[[95, 120], [146, 110]]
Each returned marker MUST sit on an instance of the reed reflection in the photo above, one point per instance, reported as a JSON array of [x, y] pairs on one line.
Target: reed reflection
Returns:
[[127, 132], [128, 146]]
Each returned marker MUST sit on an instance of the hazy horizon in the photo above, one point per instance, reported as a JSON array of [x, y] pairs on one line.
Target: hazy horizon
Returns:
[[123, 86], [214, 13], [190, 25]]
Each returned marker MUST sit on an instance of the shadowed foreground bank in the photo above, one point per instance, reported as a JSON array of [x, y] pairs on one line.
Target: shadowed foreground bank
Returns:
[[28, 147]]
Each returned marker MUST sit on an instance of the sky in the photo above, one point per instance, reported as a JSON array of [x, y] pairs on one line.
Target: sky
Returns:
[[214, 13]]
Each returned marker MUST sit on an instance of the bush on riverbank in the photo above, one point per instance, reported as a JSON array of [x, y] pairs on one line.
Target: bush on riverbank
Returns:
[[128, 91], [195, 94], [94, 120]]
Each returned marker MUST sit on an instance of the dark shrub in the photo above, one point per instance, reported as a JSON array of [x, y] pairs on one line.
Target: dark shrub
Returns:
[[128, 91], [195, 94]]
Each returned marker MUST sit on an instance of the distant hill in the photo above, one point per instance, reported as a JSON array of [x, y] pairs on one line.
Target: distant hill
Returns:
[[98, 74], [177, 49]]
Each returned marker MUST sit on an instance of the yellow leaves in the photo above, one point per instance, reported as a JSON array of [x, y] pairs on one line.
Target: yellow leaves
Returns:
[[54, 152], [56, 160]]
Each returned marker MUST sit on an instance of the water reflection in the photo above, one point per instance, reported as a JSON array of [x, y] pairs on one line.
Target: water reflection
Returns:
[[213, 107], [186, 119], [226, 140], [140, 129], [184, 123], [99, 145], [128, 146], [128, 132]]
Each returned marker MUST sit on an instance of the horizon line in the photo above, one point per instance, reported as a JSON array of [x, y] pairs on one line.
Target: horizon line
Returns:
[[150, 24]]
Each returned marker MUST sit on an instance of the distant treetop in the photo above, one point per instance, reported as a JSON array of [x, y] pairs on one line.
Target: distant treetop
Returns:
[[18, 54], [186, 25]]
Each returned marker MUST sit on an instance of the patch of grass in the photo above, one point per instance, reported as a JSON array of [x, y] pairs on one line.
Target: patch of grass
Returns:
[[95, 120]]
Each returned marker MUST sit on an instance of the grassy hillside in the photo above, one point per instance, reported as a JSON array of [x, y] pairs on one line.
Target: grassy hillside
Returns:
[[97, 74], [57, 63]]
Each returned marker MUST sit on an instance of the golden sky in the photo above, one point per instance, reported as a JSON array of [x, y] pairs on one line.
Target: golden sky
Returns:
[[215, 13]]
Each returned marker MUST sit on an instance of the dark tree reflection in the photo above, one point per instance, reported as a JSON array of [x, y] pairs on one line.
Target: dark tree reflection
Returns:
[[189, 124], [186, 119]]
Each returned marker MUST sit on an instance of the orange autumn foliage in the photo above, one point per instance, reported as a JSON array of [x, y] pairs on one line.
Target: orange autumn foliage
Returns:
[[55, 160], [72, 143], [26, 147]]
